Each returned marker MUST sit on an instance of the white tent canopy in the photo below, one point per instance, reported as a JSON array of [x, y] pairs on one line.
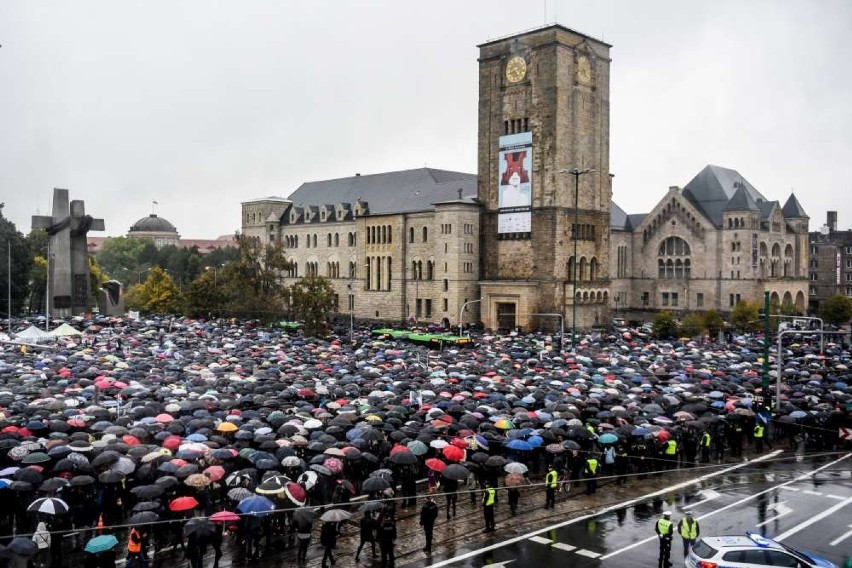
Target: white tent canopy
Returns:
[[34, 335], [64, 330]]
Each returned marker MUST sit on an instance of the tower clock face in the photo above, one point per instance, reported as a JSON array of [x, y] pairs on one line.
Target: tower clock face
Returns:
[[516, 69]]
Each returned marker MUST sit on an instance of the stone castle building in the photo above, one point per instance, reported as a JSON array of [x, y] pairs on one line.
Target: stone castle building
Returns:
[[535, 240]]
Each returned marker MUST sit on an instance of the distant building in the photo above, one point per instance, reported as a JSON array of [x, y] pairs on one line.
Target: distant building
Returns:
[[163, 233], [708, 246], [830, 265]]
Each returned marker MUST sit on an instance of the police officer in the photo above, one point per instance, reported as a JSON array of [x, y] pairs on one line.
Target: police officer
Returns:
[[705, 444], [689, 531], [760, 437], [590, 472], [489, 500], [665, 531], [671, 453], [550, 485]]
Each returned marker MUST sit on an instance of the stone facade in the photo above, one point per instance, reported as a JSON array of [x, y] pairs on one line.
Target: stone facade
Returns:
[[830, 268], [561, 97]]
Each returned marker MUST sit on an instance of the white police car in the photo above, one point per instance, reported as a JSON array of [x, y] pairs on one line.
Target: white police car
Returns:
[[749, 551]]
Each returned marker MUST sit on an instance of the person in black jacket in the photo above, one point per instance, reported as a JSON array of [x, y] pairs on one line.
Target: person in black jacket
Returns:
[[387, 536], [328, 539], [368, 534], [428, 515]]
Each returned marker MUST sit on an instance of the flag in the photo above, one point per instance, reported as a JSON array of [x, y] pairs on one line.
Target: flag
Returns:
[[154, 202]]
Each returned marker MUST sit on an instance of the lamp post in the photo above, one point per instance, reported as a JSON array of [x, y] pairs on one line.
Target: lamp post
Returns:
[[576, 173], [461, 311], [139, 274]]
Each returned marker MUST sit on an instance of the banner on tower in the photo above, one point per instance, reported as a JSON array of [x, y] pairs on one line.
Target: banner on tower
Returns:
[[514, 173]]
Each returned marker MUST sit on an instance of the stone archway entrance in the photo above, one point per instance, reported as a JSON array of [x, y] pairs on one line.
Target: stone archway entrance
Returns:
[[507, 315]]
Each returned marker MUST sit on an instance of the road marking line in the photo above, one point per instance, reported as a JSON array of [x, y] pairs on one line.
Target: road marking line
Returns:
[[541, 540], [708, 494], [736, 503], [816, 493], [779, 508], [790, 488], [588, 553], [841, 538], [837, 497], [814, 519], [565, 547], [615, 507]]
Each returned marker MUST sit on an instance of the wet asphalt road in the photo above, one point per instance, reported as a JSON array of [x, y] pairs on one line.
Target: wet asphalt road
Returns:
[[807, 504]]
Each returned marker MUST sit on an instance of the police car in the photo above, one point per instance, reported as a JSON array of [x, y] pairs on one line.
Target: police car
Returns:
[[749, 551]]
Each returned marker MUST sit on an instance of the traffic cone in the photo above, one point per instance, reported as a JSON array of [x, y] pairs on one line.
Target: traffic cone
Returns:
[[101, 522]]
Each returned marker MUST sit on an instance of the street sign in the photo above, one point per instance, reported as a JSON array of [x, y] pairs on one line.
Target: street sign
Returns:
[[845, 434]]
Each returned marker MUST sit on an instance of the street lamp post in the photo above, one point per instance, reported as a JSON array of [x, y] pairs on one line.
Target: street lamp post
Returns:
[[461, 311], [576, 173], [139, 274]]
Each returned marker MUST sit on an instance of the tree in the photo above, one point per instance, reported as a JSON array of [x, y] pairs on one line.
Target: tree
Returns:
[[14, 250], [313, 299], [664, 326], [692, 325], [158, 294], [713, 323], [836, 310], [119, 258], [745, 317], [204, 296]]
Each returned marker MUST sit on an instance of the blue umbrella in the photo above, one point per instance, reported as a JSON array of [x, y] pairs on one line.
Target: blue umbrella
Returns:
[[256, 505], [639, 431], [101, 543], [798, 414], [610, 438], [535, 441], [520, 445]]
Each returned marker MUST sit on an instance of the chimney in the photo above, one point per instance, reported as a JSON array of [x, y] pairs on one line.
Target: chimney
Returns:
[[832, 220]]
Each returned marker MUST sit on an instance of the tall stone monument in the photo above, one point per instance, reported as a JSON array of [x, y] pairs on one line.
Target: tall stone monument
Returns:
[[68, 264]]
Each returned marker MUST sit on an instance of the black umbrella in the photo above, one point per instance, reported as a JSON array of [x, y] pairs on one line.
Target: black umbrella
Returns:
[[455, 472], [375, 484], [403, 458], [23, 546], [146, 492], [143, 518], [108, 477], [146, 506], [199, 527], [82, 480]]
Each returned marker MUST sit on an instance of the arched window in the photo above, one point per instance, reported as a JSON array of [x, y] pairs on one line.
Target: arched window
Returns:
[[661, 269], [337, 239], [583, 265], [390, 234], [674, 255], [430, 270], [593, 269], [425, 234], [411, 234], [571, 268]]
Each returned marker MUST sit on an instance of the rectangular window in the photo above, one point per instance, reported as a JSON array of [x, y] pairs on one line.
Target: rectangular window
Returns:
[[446, 304], [812, 290], [731, 300], [419, 307], [351, 302], [674, 299], [814, 277], [736, 299], [665, 300], [646, 297], [428, 308], [446, 284], [699, 300], [849, 263], [848, 291], [849, 277], [848, 250]]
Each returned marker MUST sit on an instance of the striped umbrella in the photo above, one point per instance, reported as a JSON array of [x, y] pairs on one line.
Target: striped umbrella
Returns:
[[48, 506]]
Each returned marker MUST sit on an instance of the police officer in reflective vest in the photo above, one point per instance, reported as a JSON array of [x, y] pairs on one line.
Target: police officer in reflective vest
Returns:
[[590, 472], [760, 437], [671, 454], [550, 485], [665, 531], [705, 443], [134, 549], [689, 531], [489, 500]]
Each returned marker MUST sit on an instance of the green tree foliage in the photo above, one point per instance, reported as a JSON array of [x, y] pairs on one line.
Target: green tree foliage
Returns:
[[96, 278], [14, 247], [119, 258], [713, 323], [157, 294], [313, 299], [204, 297], [836, 310], [745, 317], [692, 325], [664, 326]]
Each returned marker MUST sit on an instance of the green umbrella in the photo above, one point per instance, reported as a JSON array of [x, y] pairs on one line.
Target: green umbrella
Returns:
[[101, 543]]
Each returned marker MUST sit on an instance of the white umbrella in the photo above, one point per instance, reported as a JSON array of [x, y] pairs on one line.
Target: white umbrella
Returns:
[[48, 506]]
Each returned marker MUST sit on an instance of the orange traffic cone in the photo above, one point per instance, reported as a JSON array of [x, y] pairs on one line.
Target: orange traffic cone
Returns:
[[101, 522]]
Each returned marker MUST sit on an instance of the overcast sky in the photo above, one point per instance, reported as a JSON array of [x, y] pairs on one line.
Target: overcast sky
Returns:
[[202, 105]]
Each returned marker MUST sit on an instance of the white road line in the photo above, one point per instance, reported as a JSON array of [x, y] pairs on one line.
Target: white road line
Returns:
[[836, 497], [841, 538], [565, 547], [735, 504], [708, 495], [615, 507], [779, 508], [815, 493], [814, 519], [790, 488], [541, 540], [588, 553]]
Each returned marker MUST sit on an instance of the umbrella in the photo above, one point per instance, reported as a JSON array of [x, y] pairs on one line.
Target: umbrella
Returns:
[[199, 527], [453, 453], [224, 517], [515, 467], [270, 487], [101, 543], [146, 492], [405, 457], [183, 504], [256, 505], [48, 506], [514, 479], [335, 516], [296, 493], [455, 472], [608, 438], [375, 484], [143, 518], [238, 493], [436, 465], [519, 445], [23, 546], [197, 480]]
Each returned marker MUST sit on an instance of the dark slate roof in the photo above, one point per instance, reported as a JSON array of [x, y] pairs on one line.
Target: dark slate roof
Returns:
[[741, 201], [390, 192], [793, 209], [618, 219], [766, 209], [636, 219], [712, 189]]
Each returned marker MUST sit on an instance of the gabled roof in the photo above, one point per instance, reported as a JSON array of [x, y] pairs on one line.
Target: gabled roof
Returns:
[[390, 192], [618, 219], [713, 188], [741, 201], [793, 209]]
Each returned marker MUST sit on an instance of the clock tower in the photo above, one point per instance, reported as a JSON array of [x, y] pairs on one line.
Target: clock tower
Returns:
[[543, 113]]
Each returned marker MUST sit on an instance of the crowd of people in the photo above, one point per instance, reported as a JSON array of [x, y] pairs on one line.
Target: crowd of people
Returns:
[[163, 436]]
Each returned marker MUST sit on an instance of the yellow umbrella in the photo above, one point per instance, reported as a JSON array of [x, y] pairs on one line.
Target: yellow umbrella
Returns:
[[227, 427]]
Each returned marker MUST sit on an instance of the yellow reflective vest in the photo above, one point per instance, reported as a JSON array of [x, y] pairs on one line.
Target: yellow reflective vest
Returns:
[[490, 497], [758, 431], [551, 478], [688, 530], [664, 527]]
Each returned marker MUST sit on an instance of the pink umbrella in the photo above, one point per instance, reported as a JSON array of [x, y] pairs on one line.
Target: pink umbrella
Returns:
[[164, 418], [224, 517], [334, 465], [215, 472]]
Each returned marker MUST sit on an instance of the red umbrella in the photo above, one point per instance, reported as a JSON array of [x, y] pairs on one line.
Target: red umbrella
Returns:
[[296, 493], [461, 443], [183, 504], [130, 440], [224, 517], [398, 448], [453, 453], [172, 442], [215, 472], [436, 465]]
